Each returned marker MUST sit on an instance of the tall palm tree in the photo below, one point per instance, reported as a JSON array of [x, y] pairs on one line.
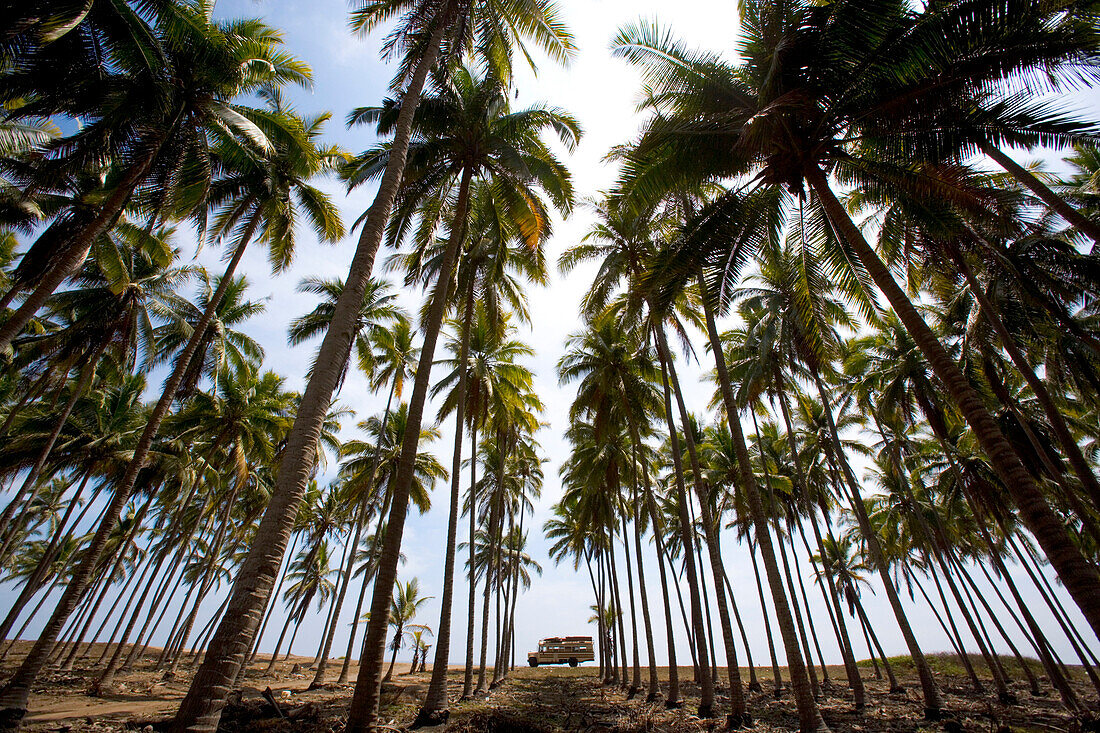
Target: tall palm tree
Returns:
[[428, 33]]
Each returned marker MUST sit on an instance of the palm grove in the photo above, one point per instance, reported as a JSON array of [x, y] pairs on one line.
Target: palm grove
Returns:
[[899, 323]]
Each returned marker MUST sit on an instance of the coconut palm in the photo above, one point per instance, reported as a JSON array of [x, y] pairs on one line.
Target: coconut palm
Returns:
[[406, 604]]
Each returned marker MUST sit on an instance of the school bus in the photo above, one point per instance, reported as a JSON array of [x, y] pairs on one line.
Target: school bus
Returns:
[[571, 650]]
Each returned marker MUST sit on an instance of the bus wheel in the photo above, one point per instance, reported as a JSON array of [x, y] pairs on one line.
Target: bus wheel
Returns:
[[533, 662], [572, 661]]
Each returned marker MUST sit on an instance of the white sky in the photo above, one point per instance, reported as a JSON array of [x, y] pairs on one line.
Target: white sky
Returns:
[[600, 92]]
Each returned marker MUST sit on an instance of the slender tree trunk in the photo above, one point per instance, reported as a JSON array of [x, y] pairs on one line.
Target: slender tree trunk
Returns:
[[620, 613], [482, 685], [42, 571], [636, 667], [706, 682], [1089, 228], [1070, 447], [808, 714], [777, 676], [364, 705], [832, 601], [346, 668], [468, 676], [673, 699], [322, 663], [201, 708], [933, 703], [14, 695], [754, 683], [278, 645], [1080, 577], [436, 700], [654, 691]]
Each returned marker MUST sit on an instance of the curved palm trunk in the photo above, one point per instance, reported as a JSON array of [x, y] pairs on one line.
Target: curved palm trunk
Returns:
[[436, 700], [200, 710], [1090, 228], [1070, 447], [1080, 577], [808, 715], [706, 682]]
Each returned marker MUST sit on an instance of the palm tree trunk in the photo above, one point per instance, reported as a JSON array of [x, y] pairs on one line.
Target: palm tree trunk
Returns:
[[135, 612], [953, 633], [673, 699], [270, 608], [345, 581], [346, 668], [109, 576], [620, 614], [809, 613], [364, 706], [278, 645], [1027, 178], [832, 601], [654, 691], [1080, 577], [706, 682], [754, 683], [34, 582], [436, 700], [777, 676], [13, 696], [468, 676], [1054, 416], [636, 666], [808, 715], [201, 708], [482, 686]]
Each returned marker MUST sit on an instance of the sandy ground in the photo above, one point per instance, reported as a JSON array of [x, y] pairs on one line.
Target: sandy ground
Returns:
[[543, 699]]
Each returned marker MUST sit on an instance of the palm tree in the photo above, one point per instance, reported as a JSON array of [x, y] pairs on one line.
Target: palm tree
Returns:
[[403, 609]]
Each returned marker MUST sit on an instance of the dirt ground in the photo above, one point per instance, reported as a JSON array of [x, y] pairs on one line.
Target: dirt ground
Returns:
[[535, 700]]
